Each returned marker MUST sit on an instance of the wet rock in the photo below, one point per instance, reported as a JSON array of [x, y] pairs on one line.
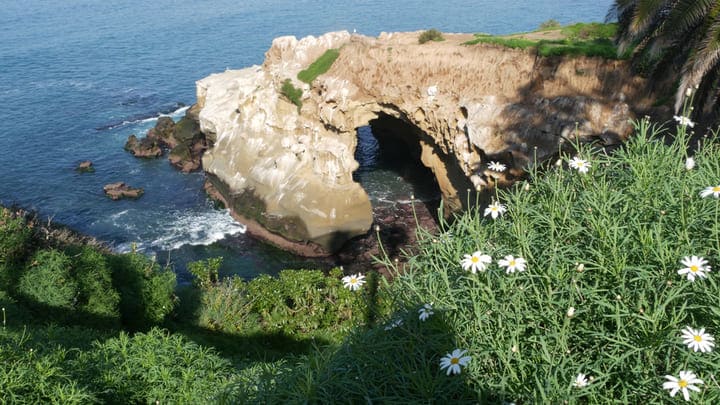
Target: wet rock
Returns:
[[143, 147], [119, 190], [184, 159], [85, 166], [163, 132]]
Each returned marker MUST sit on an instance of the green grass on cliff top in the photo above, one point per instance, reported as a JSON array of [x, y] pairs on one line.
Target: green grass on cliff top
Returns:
[[320, 66], [581, 39]]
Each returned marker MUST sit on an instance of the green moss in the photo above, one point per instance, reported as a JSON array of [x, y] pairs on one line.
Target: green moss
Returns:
[[320, 66], [292, 93]]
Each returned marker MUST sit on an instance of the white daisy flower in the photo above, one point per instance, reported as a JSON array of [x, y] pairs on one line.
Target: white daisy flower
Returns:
[[712, 190], [580, 165], [497, 167], [696, 267], [394, 324], [570, 312], [689, 163], [684, 121], [476, 261], [697, 339], [580, 381], [453, 361], [512, 263], [354, 281], [425, 312], [495, 209], [687, 381]]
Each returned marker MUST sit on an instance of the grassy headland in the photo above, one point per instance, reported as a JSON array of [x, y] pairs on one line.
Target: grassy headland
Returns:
[[586, 39]]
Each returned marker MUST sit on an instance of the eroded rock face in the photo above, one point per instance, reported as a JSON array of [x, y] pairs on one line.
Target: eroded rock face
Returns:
[[291, 171]]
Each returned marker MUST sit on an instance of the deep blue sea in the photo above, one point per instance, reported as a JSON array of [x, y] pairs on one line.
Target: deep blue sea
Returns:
[[78, 76]]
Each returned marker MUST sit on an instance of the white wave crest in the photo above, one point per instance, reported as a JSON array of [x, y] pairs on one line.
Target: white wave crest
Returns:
[[183, 228]]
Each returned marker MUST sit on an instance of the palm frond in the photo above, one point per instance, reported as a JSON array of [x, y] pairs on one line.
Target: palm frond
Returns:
[[704, 59]]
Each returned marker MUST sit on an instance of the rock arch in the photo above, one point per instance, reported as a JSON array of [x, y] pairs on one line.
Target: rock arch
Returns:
[[287, 171]]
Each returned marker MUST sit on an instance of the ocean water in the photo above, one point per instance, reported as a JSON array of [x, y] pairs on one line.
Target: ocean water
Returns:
[[78, 76]]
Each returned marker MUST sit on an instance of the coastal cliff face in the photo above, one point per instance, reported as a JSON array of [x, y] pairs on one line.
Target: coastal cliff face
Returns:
[[287, 171]]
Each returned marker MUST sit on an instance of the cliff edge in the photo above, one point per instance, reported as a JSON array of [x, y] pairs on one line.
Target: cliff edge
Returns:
[[286, 170]]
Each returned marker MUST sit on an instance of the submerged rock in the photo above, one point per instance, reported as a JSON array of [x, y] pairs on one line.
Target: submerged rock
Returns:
[[119, 190]]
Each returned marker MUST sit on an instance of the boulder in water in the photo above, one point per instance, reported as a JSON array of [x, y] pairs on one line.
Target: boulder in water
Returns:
[[85, 166], [143, 147], [119, 190]]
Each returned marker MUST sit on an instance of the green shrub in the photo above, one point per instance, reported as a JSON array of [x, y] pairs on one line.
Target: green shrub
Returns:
[[292, 93], [205, 272], [549, 24], [153, 366], [320, 66], [32, 376], [601, 294], [15, 241], [48, 280], [146, 290], [94, 278], [297, 303], [430, 35]]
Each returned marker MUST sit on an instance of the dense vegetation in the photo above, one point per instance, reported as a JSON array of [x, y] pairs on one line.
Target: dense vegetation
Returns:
[[83, 325], [587, 39]]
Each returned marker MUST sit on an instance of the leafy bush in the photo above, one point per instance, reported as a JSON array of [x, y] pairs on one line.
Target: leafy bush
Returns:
[[34, 374], [94, 278], [153, 366], [297, 303], [292, 93], [205, 272], [146, 290], [320, 66], [430, 35], [15, 240], [48, 280], [601, 294]]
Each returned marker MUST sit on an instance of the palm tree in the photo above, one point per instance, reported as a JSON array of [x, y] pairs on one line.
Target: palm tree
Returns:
[[683, 35]]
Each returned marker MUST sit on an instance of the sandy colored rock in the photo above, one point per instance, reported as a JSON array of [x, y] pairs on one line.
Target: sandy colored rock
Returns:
[[85, 166], [120, 190], [469, 105]]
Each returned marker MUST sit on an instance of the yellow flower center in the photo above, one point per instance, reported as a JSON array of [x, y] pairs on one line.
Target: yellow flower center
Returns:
[[694, 268], [353, 280], [580, 163], [493, 208], [682, 384], [475, 259], [454, 360], [512, 263], [716, 189], [697, 338]]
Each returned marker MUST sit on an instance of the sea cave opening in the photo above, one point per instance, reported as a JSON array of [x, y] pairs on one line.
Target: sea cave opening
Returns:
[[391, 172]]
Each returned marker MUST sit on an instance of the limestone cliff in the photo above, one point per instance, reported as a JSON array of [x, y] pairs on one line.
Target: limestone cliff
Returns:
[[289, 170]]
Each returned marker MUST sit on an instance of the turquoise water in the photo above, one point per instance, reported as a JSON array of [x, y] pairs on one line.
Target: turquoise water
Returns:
[[78, 77]]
